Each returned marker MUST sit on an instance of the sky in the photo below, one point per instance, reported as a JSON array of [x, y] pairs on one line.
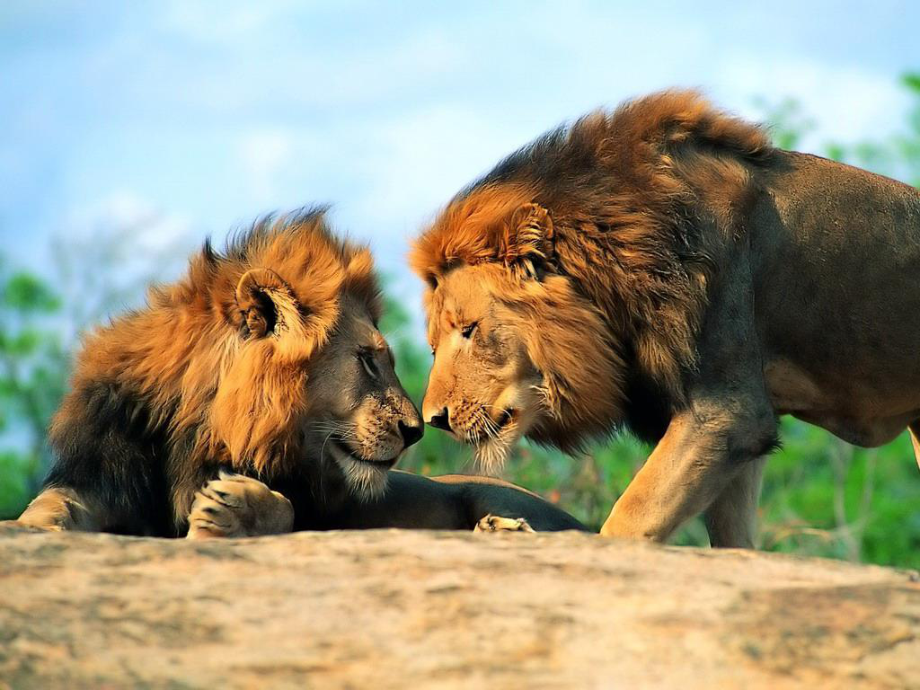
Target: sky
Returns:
[[181, 120]]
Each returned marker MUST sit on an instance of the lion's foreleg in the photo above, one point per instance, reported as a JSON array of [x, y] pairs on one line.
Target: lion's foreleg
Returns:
[[731, 520], [680, 479], [238, 506], [61, 508], [716, 440], [693, 466]]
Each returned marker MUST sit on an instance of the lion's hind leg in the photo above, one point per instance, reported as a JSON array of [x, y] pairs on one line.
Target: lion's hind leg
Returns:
[[496, 523], [59, 509]]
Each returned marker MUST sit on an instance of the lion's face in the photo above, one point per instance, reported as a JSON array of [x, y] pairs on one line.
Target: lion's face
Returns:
[[303, 374], [359, 416], [519, 349], [483, 387]]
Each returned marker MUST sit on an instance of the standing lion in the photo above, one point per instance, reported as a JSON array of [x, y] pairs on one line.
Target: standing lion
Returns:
[[664, 268]]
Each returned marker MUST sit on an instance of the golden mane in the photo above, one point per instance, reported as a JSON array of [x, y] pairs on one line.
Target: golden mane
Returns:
[[185, 363], [623, 192]]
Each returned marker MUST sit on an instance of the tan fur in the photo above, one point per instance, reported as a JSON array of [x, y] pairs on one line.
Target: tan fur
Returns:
[[496, 523], [651, 294], [237, 506], [663, 267], [59, 510], [241, 397]]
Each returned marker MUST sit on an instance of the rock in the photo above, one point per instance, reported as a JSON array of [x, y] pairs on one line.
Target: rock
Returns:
[[397, 609]]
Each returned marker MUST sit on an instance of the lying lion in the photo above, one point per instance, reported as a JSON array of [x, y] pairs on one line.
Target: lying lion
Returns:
[[663, 267], [264, 361]]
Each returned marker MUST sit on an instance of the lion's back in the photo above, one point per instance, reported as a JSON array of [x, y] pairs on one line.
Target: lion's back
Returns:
[[836, 260]]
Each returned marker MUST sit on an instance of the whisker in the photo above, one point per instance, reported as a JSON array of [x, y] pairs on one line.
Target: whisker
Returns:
[[322, 450]]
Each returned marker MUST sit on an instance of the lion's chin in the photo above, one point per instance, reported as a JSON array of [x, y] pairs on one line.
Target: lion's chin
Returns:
[[492, 453], [367, 481]]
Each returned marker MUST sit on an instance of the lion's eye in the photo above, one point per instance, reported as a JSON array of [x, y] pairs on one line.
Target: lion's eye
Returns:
[[467, 331], [370, 366]]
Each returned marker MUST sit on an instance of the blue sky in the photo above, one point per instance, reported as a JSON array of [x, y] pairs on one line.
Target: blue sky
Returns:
[[199, 116]]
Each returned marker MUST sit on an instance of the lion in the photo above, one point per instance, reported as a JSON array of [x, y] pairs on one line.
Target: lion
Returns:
[[254, 396], [664, 269]]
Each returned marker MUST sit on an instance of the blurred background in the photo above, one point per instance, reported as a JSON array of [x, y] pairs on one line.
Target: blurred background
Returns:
[[129, 132]]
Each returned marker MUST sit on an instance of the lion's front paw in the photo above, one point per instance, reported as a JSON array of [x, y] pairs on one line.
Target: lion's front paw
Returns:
[[496, 523], [237, 506]]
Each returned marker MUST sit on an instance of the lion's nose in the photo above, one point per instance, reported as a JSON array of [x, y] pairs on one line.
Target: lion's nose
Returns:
[[411, 433], [441, 420]]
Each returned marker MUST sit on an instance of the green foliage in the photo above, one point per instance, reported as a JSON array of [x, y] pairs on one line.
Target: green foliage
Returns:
[[898, 156], [787, 122], [32, 377], [26, 294], [825, 497], [15, 492]]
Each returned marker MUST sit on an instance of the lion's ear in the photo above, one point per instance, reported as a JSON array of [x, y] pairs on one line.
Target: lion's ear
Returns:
[[527, 241], [266, 303]]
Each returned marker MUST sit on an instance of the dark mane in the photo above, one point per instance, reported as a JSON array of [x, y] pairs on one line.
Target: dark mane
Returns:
[[640, 200], [664, 124]]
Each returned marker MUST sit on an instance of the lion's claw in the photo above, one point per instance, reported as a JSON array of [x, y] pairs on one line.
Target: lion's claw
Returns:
[[496, 523], [238, 506]]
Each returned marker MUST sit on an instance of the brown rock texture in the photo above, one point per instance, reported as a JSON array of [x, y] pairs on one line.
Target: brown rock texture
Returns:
[[398, 609]]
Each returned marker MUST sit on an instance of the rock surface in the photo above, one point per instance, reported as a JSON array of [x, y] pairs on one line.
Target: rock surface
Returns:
[[397, 609]]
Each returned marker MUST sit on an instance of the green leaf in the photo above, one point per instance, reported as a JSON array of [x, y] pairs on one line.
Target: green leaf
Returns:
[[912, 81], [24, 343], [14, 483], [26, 292]]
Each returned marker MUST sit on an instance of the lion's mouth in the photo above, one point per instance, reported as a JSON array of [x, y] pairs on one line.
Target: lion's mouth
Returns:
[[490, 429], [342, 448], [494, 439]]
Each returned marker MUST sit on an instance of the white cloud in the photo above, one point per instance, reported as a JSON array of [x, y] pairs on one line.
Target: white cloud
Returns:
[[847, 103], [131, 217]]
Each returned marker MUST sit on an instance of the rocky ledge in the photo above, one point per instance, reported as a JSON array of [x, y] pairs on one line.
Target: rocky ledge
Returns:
[[397, 609]]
